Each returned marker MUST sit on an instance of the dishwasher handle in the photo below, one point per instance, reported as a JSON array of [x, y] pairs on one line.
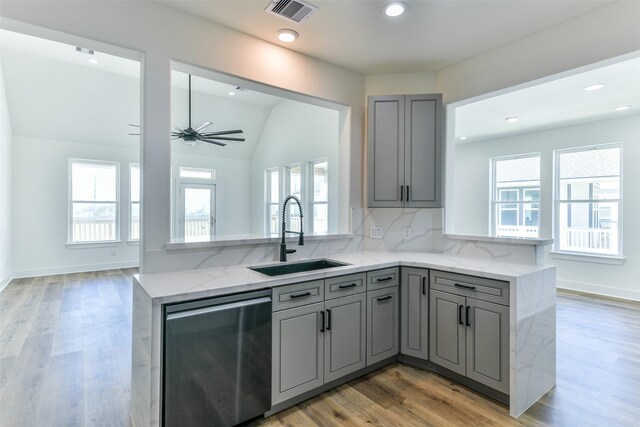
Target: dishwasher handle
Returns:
[[216, 308]]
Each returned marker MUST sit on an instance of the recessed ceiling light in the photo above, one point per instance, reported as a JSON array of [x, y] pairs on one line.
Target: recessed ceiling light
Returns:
[[512, 119], [394, 9], [231, 93], [622, 108], [593, 87], [92, 61], [287, 35], [462, 138]]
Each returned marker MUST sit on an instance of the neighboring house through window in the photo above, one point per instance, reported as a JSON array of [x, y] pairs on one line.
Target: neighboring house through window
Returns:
[[320, 197], [588, 200], [134, 199], [516, 196], [93, 201], [273, 201]]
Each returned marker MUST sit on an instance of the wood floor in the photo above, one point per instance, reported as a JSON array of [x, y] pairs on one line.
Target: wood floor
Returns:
[[65, 355]]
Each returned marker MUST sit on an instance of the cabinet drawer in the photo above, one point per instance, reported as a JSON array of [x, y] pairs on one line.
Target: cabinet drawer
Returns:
[[336, 287], [298, 294], [384, 278], [471, 286]]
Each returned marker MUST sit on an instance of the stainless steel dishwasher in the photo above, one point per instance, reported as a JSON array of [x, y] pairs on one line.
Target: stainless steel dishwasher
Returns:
[[217, 360]]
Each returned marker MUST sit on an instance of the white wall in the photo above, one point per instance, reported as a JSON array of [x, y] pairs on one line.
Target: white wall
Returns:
[[5, 186], [40, 197], [472, 187], [296, 133]]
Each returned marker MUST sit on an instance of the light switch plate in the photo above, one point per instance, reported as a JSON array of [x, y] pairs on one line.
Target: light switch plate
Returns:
[[406, 233], [375, 232]]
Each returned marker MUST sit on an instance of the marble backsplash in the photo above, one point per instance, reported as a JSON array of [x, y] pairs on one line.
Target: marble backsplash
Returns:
[[426, 236]]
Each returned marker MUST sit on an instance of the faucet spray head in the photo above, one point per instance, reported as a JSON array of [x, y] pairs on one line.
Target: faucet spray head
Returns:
[[301, 239]]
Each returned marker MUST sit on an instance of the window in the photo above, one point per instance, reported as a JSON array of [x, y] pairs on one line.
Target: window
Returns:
[[197, 173], [294, 187], [516, 196], [93, 201], [134, 205], [320, 197], [273, 200], [588, 198]]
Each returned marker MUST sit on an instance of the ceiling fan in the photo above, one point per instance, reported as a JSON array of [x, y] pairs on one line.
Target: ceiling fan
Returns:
[[192, 136]]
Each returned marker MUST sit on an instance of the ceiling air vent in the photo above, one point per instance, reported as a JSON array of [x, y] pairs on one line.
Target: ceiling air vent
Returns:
[[291, 10]]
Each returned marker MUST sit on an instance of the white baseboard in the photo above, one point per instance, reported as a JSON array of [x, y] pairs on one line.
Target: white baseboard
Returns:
[[5, 281], [73, 269], [592, 288]]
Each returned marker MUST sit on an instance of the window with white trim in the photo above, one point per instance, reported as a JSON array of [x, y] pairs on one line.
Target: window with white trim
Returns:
[[93, 201], [197, 173], [320, 196], [588, 217], [294, 187], [134, 201], [272, 201], [516, 196]]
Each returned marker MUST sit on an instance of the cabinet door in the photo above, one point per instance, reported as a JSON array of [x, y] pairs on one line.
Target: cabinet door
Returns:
[[414, 329], [382, 324], [345, 336], [423, 150], [488, 344], [385, 148], [297, 346], [447, 331]]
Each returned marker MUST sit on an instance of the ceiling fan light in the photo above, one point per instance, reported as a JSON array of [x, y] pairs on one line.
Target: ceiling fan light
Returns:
[[287, 35]]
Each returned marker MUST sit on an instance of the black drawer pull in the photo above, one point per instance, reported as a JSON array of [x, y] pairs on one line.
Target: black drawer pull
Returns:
[[424, 285], [458, 285], [322, 315], [328, 320], [460, 322], [384, 298], [352, 285], [384, 279], [304, 294], [467, 315]]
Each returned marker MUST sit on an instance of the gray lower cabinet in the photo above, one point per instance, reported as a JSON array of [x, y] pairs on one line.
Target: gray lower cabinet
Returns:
[[298, 351], [468, 334], [382, 324], [345, 335], [404, 148], [414, 325]]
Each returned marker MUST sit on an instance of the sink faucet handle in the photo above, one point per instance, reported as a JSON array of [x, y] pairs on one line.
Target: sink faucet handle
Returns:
[[291, 251]]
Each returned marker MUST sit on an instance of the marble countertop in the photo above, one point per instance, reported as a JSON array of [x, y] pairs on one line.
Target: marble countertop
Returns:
[[192, 284]]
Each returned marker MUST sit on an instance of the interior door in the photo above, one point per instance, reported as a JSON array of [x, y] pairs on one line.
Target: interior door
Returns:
[[197, 218]]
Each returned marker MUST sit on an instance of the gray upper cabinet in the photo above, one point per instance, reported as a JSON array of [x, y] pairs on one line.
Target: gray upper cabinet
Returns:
[[297, 346], [345, 335], [382, 324], [405, 150], [414, 331]]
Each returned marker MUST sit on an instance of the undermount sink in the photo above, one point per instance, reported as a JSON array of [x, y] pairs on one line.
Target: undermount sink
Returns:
[[297, 267]]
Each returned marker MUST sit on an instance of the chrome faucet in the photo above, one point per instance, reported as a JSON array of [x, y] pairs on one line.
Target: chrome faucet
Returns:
[[283, 246]]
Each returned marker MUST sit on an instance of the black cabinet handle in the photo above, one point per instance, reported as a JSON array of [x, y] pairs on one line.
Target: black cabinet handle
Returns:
[[424, 285], [328, 320], [322, 316], [384, 298], [402, 193], [384, 279], [407, 193], [347, 286], [458, 285], [460, 307], [304, 294], [467, 315]]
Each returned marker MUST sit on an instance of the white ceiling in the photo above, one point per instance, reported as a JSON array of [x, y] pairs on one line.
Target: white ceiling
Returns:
[[431, 35], [559, 102]]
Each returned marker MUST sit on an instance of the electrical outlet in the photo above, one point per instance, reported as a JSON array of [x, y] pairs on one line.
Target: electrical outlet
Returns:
[[406, 233], [375, 232]]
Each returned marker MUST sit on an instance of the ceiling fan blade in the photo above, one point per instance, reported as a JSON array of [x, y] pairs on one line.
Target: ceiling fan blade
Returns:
[[202, 126], [222, 138], [210, 141], [177, 128], [222, 132], [131, 124]]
